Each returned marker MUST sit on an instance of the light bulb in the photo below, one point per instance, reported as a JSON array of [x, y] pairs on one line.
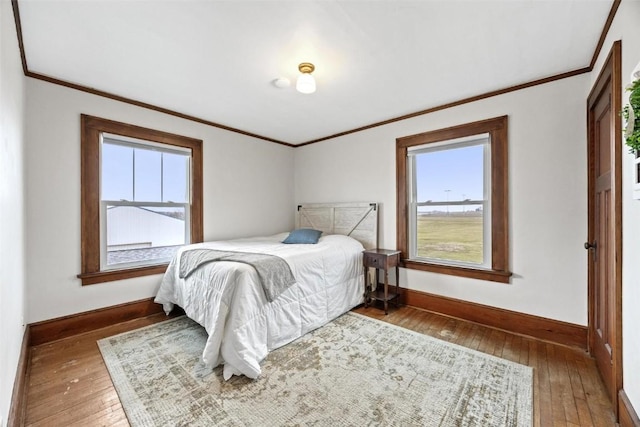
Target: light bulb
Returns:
[[306, 83]]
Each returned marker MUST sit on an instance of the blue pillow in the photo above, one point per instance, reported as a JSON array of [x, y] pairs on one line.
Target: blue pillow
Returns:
[[303, 236]]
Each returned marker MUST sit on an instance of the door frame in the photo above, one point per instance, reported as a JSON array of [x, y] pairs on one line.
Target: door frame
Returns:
[[611, 71]]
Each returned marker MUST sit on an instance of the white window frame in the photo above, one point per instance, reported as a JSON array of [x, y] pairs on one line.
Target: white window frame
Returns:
[[152, 146], [412, 186]]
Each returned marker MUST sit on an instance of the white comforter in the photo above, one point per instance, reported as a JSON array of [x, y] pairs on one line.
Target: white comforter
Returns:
[[228, 300]]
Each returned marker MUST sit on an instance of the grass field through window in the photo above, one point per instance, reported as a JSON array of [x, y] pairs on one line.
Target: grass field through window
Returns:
[[454, 237]]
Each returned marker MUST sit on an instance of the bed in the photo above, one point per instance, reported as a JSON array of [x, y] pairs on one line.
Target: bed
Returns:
[[228, 300]]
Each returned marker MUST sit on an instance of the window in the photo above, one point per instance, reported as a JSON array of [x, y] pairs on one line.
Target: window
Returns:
[[144, 201], [449, 203], [452, 200], [141, 199]]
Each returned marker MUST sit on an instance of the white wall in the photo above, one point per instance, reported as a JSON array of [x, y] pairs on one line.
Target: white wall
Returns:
[[626, 27], [248, 188], [12, 236], [547, 194]]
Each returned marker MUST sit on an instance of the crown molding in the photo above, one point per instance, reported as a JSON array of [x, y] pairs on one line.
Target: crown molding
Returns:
[[150, 107], [605, 31], [587, 69], [456, 103]]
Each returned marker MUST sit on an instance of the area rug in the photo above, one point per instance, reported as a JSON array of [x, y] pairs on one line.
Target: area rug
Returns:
[[353, 371]]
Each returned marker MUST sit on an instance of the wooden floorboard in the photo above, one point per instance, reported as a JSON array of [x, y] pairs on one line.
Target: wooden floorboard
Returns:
[[69, 384]]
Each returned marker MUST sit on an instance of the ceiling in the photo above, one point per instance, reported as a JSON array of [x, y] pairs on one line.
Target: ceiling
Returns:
[[375, 60]]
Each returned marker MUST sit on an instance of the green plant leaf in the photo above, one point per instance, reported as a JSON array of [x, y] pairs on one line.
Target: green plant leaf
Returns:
[[633, 140]]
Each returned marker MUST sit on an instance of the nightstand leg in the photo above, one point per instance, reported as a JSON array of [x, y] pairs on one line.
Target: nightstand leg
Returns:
[[366, 287], [397, 286], [377, 277], [386, 291]]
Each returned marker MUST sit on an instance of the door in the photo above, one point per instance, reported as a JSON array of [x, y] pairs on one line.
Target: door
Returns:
[[605, 232]]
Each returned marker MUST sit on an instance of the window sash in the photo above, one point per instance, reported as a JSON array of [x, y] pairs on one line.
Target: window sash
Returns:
[[139, 144], [414, 203], [134, 143]]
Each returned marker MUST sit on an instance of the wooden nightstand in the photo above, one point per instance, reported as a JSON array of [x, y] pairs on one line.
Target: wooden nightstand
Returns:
[[381, 259]]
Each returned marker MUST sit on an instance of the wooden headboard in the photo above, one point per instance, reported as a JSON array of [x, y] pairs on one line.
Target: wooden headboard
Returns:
[[358, 220]]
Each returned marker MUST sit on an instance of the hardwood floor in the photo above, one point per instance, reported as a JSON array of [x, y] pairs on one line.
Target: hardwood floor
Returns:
[[69, 384]]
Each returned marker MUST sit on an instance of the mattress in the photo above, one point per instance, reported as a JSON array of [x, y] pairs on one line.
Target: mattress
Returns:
[[227, 298]]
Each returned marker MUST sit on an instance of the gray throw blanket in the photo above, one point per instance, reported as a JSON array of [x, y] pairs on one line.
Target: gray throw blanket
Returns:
[[274, 272]]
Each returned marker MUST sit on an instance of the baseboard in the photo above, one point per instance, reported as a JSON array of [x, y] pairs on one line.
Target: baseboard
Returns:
[[627, 416], [537, 327], [18, 397], [64, 327]]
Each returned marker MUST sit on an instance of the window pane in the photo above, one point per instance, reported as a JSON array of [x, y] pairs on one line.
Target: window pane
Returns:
[[450, 199], [144, 234], [117, 172], [451, 175], [148, 176], [175, 178], [453, 237]]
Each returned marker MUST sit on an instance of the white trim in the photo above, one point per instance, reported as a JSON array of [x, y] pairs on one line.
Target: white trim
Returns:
[[412, 208], [636, 176], [106, 138], [127, 141], [487, 209], [449, 144]]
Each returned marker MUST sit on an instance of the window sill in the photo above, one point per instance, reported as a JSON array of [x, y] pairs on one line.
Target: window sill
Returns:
[[112, 275], [491, 275]]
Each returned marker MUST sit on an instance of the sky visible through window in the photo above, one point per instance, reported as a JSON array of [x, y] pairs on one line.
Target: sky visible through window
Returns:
[[454, 174], [156, 177]]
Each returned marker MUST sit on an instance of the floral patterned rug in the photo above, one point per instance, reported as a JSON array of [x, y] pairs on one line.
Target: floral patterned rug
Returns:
[[353, 371]]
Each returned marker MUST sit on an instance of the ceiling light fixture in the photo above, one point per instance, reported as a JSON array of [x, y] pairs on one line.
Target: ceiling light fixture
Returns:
[[306, 83]]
